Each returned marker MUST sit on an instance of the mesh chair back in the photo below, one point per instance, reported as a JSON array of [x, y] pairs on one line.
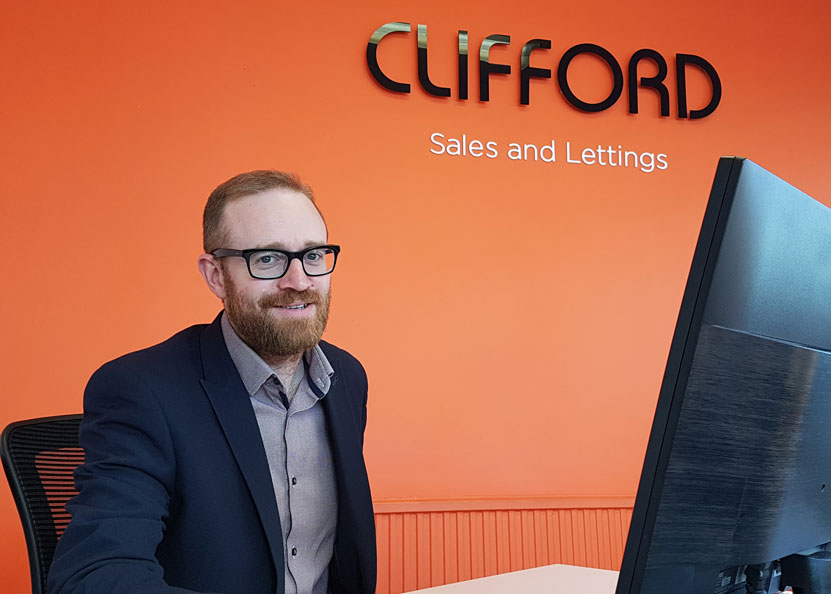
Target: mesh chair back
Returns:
[[39, 457]]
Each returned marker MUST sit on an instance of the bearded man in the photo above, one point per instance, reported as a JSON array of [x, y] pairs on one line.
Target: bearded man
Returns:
[[228, 459]]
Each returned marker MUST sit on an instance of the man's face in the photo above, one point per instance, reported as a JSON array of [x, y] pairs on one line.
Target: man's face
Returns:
[[283, 316]]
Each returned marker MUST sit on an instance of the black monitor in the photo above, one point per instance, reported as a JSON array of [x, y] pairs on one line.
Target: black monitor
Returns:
[[736, 480]]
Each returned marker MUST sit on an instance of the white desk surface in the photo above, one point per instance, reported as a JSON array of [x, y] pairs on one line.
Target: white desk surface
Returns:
[[550, 579]]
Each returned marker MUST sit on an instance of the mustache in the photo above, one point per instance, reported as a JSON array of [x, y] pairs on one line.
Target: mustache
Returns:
[[290, 296]]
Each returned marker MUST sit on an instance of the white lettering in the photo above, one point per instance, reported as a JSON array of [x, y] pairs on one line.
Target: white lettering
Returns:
[[568, 153], [433, 138], [598, 155], [588, 156], [492, 152], [552, 149], [454, 147]]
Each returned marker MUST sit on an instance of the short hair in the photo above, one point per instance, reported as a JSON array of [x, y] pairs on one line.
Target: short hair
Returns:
[[240, 186]]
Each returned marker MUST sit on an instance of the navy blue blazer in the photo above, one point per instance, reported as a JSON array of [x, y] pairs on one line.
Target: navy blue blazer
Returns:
[[175, 493]]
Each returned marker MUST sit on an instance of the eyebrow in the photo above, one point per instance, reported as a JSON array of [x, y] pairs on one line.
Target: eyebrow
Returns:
[[282, 247]]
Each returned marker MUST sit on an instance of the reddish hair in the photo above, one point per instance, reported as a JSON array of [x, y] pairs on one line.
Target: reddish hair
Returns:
[[240, 186]]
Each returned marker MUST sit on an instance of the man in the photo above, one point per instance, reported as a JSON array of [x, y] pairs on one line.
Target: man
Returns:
[[229, 457]]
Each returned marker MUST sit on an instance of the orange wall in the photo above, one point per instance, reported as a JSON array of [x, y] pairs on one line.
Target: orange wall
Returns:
[[514, 316]]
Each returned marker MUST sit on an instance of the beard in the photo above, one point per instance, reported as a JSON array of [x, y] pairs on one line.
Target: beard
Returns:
[[267, 336]]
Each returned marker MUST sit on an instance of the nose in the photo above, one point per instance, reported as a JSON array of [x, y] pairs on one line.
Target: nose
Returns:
[[295, 277]]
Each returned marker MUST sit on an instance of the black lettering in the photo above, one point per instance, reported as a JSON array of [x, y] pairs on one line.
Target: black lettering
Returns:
[[562, 77], [423, 77], [462, 64], [372, 56], [525, 69], [681, 61], [652, 82], [486, 68]]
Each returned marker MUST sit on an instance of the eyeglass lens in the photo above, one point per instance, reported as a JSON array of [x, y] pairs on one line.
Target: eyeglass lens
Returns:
[[272, 264]]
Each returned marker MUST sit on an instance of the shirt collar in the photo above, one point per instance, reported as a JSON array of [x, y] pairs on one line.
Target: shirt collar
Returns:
[[254, 372], [319, 369]]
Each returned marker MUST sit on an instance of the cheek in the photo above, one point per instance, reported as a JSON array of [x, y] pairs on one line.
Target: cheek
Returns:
[[321, 285], [255, 295], [251, 294]]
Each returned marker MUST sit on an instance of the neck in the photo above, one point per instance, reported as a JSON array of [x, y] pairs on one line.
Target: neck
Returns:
[[284, 367]]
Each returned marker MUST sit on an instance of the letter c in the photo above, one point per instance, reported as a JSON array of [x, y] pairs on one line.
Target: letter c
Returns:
[[372, 55]]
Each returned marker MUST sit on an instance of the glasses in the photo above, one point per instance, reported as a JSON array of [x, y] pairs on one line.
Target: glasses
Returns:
[[270, 264]]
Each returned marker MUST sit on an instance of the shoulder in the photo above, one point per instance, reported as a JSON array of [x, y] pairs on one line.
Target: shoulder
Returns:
[[148, 388], [338, 355], [178, 356], [344, 363], [331, 351]]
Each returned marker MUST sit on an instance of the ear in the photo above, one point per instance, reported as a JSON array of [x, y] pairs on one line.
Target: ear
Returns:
[[210, 270]]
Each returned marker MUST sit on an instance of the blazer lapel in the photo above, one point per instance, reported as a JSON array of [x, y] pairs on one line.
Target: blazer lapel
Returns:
[[354, 499], [232, 407]]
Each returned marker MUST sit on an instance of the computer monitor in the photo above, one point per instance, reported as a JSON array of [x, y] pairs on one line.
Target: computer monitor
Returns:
[[737, 469]]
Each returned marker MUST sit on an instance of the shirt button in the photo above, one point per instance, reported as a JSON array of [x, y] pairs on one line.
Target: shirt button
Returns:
[[294, 480], [294, 551]]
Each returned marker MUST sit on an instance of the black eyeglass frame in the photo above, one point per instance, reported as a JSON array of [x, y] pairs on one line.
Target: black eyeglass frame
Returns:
[[227, 253]]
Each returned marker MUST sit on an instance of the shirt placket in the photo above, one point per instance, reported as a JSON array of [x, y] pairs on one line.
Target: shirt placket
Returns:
[[276, 394]]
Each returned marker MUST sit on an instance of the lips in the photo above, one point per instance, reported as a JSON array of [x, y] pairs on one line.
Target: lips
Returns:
[[294, 306], [291, 300]]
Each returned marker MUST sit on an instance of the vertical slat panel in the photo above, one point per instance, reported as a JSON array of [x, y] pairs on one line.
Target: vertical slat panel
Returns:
[[529, 558], [451, 548], [396, 554], [423, 550], [430, 548], [625, 520], [604, 543], [515, 540], [437, 546], [614, 537], [593, 537], [382, 536], [464, 537], [477, 544], [503, 544], [566, 538], [555, 554], [491, 543], [615, 528], [410, 552], [579, 536], [540, 537], [589, 538]]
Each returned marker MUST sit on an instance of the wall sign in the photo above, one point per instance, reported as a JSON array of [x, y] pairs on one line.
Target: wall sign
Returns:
[[487, 68]]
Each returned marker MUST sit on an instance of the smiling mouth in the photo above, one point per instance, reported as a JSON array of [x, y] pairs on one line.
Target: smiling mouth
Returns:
[[297, 306]]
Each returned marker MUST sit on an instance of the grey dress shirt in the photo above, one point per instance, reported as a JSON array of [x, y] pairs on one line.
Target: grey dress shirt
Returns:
[[299, 458]]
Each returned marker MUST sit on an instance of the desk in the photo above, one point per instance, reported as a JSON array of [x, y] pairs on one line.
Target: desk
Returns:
[[550, 579]]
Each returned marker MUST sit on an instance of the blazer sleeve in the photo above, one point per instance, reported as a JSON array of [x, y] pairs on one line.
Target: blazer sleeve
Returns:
[[124, 485], [365, 397]]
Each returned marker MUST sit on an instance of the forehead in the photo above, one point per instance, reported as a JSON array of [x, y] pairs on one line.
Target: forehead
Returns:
[[276, 218]]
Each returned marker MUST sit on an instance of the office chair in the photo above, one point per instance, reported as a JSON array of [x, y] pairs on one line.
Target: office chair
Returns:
[[39, 456]]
